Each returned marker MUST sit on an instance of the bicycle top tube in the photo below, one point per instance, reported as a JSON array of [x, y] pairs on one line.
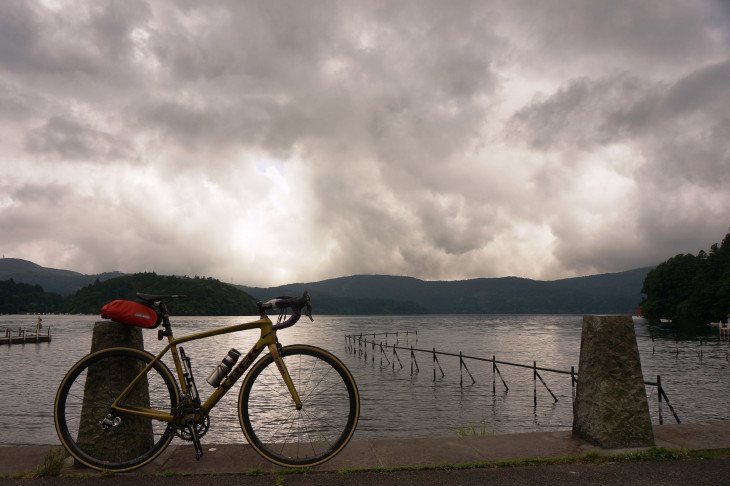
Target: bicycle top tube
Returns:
[[279, 303]]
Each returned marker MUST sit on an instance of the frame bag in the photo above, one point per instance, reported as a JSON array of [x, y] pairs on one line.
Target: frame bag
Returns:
[[131, 313]]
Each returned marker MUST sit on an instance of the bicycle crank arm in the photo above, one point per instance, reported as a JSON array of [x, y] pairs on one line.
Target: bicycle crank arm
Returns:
[[195, 439]]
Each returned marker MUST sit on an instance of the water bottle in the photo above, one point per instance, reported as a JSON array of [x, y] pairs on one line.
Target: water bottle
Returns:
[[222, 370]]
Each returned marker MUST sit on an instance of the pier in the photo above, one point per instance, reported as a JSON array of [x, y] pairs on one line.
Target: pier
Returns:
[[23, 336], [723, 327]]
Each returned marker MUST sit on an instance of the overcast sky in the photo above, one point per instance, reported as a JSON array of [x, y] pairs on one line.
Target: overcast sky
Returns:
[[271, 142]]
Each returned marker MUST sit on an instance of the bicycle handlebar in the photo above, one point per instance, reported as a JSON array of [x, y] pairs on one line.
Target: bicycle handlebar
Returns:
[[294, 303]]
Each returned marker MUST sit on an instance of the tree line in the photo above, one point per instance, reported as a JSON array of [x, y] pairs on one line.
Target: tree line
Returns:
[[21, 298], [690, 287], [206, 296]]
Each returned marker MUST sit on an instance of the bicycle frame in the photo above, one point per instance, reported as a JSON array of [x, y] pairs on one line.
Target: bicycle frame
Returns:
[[267, 339]]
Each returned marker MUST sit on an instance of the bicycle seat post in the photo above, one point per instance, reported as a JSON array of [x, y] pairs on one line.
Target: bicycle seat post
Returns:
[[166, 326]]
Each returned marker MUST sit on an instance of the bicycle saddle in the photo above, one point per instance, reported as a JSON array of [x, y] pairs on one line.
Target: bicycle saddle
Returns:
[[157, 298]]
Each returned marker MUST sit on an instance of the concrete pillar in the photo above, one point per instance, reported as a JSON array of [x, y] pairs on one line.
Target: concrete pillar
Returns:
[[611, 408], [112, 376]]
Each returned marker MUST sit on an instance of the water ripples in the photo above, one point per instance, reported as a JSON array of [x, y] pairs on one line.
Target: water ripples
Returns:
[[395, 404]]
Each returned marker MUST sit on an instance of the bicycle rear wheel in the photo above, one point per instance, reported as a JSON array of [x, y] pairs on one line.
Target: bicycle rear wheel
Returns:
[[320, 429], [100, 438]]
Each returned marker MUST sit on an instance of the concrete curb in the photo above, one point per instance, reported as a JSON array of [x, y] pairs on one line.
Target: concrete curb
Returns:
[[367, 454]]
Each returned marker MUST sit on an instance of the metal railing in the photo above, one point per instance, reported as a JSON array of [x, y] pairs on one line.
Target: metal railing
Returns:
[[359, 343]]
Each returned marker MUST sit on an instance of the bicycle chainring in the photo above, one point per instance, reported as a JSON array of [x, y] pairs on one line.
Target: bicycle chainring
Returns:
[[201, 428]]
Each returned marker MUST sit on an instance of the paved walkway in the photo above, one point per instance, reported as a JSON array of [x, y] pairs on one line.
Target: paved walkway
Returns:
[[241, 459]]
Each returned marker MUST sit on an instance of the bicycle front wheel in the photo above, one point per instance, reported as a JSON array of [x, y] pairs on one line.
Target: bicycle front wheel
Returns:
[[101, 438], [313, 434]]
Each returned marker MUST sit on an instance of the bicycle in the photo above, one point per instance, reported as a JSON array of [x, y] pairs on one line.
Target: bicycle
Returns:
[[119, 408]]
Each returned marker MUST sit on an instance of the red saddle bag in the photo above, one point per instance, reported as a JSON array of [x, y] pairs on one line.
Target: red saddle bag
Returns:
[[131, 313]]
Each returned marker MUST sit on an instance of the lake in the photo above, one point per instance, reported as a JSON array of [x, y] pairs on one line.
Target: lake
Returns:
[[396, 403]]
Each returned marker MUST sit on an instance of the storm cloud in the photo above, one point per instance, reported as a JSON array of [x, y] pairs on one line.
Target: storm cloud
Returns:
[[264, 143]]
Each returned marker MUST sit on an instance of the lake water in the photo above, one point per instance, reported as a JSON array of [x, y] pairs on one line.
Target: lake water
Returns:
[[395, 403]]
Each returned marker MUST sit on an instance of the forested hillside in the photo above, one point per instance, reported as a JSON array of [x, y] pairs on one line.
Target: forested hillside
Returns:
[[21, 298], [613, 293], [205, 296], [690, 287]]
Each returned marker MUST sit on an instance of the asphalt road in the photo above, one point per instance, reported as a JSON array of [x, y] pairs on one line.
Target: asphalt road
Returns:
[[694, 472]]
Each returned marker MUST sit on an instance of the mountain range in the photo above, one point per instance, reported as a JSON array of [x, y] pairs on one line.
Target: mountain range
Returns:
[[63, 282], [610, 293]]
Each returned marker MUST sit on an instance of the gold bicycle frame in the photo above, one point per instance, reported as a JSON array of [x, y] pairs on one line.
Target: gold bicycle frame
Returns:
[[267, 338]]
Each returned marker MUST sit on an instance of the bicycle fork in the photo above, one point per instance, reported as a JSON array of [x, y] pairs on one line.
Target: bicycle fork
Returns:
[[275, 350]]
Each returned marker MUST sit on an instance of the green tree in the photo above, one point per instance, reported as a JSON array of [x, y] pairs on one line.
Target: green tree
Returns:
[[21, 298], [689, 287], [205, 296]]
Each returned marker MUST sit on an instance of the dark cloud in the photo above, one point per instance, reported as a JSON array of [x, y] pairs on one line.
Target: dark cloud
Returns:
[[439, 140], [15, 105], [68, 139], [583, 114], [654, 36]]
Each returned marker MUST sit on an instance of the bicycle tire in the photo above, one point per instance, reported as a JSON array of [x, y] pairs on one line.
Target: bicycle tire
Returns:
[[328, 417], [78, 416]]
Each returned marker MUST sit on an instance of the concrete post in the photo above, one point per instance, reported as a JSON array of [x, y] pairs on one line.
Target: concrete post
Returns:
[[611, 409], [109, 377]]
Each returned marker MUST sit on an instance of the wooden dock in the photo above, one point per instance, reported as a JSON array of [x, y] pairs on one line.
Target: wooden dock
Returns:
[[23, 336]]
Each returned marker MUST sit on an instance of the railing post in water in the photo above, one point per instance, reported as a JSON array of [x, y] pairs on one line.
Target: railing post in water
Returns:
[[382, 353], [543, 384], [436, 362], [666, 399], [534, 382], [653, 348], [463, 365], [495, 371], [396, 357], [572, 384], [413, 360], [659, 397]]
